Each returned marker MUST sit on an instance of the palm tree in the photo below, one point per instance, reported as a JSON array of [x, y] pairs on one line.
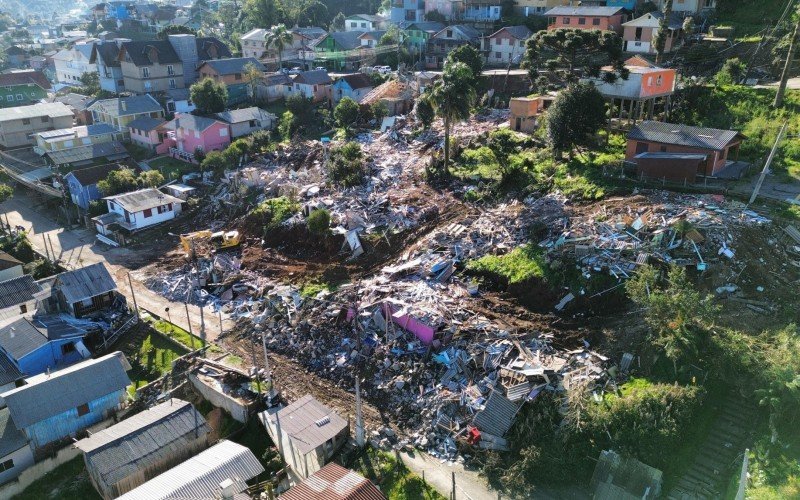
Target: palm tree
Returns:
[[452, 97], [279, 37]]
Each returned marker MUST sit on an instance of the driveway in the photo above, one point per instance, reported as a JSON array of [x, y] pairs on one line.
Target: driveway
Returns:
[[773, 188], [77, 248]]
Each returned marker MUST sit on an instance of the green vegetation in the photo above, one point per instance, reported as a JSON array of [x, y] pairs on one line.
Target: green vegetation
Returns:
[[170, 168], [209, 96], [272, 212], [521, 264], [748, 17], [319, 221], [68, 480], [347, 165], [183, 337], [391, 475], [452, 97], [152, 359], [346, 113]]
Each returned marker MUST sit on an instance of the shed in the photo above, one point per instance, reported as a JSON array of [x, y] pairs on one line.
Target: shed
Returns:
[[130, 453], [200, 477], [675, 167], [181, 191], [85, 291], [307, 432], [334, 482]]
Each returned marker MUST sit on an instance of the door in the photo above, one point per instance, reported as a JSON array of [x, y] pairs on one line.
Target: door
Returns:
[[518, 124]]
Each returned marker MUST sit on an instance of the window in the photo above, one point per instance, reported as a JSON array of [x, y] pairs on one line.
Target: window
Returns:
[[7, 465], [67, 348], [45, 119], [252, 123], [196, 134], [641, 147], [145, 72], [9, 98], [658, 80], [237, 76], [223, 132], [566, 20], [663, 149], [172, 83], [596, 21], [148, 213], [19, 97], [171, 107], [170, 70], [581, 20], [23, 308], [497, 55], [363, 25], [26, 121], [83, 409]]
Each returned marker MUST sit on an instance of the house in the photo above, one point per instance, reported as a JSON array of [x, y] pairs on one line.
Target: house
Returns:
[[396, 95], [187, 133], [624, 478], [312, 84], [82, 183], [273, 87], [406, 10], [440, 44], [128, 454], [481, 11], [179, 101], [689, 7], [81, 144], [21, 88], [418, 34], [106, 56], [308, 436], [525, 112], [506, 45], [371, 39], [334, 482], [647, 89], [19, 124], [79, 104], [119, 112], [53, 407], [247, 120], [586, 18], [718, 146], [73, 63], [181, 191], [638, 34], [18, 296], [537, 7], [147, 132], [15, 454], [355, 86], [10, 267], [137, 210], [364, 22], [232, 72], [340, 51], [254, 45], [221, 471], [451, 10], [82, 292], [34, 347], [16, 57]]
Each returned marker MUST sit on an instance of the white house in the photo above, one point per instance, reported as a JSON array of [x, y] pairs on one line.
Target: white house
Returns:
[[689, 7], [311, 84], [247, 120], [363, 22], [137, 210], [507, 45], [71, 64]]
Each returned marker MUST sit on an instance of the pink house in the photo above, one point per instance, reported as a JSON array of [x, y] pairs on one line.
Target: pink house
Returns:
[[186, 133], [147, 132], [586, 18]]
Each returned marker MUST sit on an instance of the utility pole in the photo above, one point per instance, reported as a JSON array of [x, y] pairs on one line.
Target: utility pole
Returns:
[[753, 57], [189, 322], [787, 67], [133, 295], [765, 170]]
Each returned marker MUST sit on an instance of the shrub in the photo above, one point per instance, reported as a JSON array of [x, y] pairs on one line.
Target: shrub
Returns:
[[347, 165], [273, 212], [97, 207], [288, 125], [425, 112], [215, 162], [346, 113], [319, 221], [41, 268], [301, 107], [521, 264]]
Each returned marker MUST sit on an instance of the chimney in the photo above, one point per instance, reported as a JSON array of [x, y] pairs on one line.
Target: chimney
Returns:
[[227, 489]]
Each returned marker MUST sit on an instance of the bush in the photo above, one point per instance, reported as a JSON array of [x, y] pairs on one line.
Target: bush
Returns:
[[378, 110], [521, 264], [273, 212], [41, 268], [236, 151], [97, 207], [23, 250], [319, 221], [347, 165], [346, 113], [425, 112], [260, 141], [215, 162], [288, 125], [301, 107]]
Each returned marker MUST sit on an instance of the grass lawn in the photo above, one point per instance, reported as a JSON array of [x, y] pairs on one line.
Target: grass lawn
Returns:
[[391, 476], [521, 264], [152, 359], [69, 480], [749, 16], [183, 337], [171, 168]]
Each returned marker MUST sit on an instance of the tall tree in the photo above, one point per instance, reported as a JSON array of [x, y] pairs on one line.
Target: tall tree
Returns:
[[470, 56], [576, 114], [337, 24], [279, 37], [452, 97], [252, 76], [660, 38], [209, 96], [787, 67], [424, 110], [261, 13], [578, 48]]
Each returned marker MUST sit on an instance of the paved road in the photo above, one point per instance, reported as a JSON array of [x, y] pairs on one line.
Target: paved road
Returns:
[[78, 248]]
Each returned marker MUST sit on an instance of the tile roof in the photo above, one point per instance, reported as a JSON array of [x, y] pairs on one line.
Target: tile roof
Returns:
[[315, 77], [24, 78], [48, 395], [683, 135], [391, 89], [11, 438], [161, 433], [7, 261], [18, 290], [136, 201], [308, 423], [245, 114], [199, 477], [358, 81], [233, 65], [51, 109], [334, 482], [140, 52], [135, 104], [583, 11], [146, 123], [85, 283]]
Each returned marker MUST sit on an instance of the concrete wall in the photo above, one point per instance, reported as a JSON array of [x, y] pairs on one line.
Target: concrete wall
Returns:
[[238, 411]]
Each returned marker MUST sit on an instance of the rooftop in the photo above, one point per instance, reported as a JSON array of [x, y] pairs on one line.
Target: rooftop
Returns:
[[244, 114], [7, 261], [23, 78], [77, 132], [131, 105], [308, 423], [233, 65], [334, 482], [683, 135], [136, 201], [146, 123], [583, 11], [358, 81], [85, 283], [11, 439], [51, 109], [315, 77], [18, 290]]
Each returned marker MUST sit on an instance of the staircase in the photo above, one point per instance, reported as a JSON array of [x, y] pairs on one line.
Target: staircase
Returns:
[[720, 454]]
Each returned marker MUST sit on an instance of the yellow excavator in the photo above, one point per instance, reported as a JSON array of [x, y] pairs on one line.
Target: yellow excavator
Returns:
[[205, 241]]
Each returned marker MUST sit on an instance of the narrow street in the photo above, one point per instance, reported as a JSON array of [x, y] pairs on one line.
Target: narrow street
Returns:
[[77, 248]]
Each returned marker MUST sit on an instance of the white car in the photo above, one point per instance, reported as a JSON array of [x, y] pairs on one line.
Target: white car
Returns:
[[384, 70]]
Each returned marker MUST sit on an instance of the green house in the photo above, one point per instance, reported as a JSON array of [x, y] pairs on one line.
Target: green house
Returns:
[[22, 88], [417, 34], [338, 51]]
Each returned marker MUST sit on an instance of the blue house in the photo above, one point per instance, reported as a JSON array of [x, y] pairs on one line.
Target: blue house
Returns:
[[35, 346], [354, 86], [82, 183], [625, 4], [407, 10], [57, 406]]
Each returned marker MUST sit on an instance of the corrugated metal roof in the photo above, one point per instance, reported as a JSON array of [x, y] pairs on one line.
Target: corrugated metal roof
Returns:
[[683, 135], [136, 201], [20, 337], [45, 396], [11, 439], [8, 371], [198, 478], [497, 415], [85, 283], [300, 420], [334, 482], [245, 114], [51, 109], [130, 105], [233, 65], [315, 77], [18, 290], [149, 437]]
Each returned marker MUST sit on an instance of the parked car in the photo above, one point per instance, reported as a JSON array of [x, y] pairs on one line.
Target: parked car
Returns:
[[296, 70], [319, 68], [384, 70]]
